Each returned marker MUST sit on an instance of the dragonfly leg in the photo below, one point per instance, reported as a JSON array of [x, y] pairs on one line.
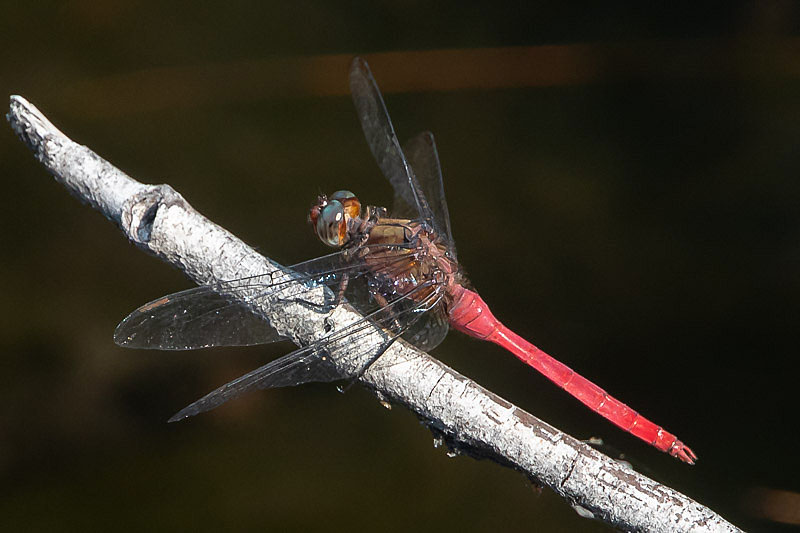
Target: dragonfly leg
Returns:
[[340, 291], [383, 302], [385, 346], [320, 308], [397, 329]]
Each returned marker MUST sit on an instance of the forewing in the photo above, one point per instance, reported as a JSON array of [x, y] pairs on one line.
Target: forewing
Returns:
[[409, 201], [226, 313], [423, 157], [191, 319]]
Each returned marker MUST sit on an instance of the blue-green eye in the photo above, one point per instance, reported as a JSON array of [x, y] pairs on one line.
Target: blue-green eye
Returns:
[[331, 224], [332, 215]]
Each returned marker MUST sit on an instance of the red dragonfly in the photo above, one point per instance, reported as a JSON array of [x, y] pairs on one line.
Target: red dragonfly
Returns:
[[401, 273]]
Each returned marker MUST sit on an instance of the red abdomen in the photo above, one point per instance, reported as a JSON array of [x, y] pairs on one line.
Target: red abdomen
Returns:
[[470, 314]]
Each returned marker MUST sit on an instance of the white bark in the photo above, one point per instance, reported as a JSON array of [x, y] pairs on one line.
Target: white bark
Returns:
[[470, 419]]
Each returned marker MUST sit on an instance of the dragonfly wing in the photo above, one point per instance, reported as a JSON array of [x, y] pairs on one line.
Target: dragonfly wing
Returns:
[[300, 366], [421, 153], [410, 201], [195, 318], [427, 333], [226, 313], [311, 363]]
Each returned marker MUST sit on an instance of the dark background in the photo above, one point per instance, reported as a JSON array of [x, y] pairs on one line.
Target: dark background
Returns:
[[623, 188]]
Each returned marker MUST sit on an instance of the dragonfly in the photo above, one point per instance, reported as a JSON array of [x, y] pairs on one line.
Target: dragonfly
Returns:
[[400, 272]]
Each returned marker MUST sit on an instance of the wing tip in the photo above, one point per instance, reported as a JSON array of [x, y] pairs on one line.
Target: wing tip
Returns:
[[177, 417], [360, 73], [121, 338], [191, 410]]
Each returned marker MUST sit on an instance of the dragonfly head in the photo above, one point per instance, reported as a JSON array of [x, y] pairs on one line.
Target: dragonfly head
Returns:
[[332, 215]]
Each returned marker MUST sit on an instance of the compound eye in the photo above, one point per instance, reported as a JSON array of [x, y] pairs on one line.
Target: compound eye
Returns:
[[352, 207], [331, 224]]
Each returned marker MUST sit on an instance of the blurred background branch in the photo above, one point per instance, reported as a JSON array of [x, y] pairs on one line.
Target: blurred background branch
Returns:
[[434, 70]]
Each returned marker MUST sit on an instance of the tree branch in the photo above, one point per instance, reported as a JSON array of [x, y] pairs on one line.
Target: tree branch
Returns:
[[469, 418]]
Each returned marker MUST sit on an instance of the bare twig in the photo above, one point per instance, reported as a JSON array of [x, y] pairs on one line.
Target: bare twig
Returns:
[[469, 418]]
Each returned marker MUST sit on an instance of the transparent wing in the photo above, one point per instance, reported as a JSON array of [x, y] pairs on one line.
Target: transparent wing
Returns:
[[421, 153], [298, 367], [409, 199], [225, 313], [311, 363], [191, 319]]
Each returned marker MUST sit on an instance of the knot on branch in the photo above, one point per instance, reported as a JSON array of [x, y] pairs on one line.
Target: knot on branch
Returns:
[[140, 210]]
